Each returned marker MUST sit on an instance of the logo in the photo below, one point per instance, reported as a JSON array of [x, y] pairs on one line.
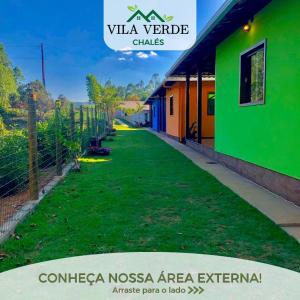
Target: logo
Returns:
[[149, 25], [150, 17]]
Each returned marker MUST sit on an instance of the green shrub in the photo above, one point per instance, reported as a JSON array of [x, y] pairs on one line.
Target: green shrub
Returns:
[[46, 143], [13, 161]]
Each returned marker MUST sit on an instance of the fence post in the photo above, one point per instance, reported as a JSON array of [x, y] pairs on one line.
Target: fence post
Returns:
[[88, 122], [96, 120], [107, 121], [93, 121], [101, 120], [72, 122], [33, 151], [58, 138], [81, 120]]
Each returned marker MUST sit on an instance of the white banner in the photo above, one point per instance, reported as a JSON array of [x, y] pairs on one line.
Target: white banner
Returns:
[[150, 276]]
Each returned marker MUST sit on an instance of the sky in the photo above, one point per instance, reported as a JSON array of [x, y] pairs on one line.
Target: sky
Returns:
[[72, 34]]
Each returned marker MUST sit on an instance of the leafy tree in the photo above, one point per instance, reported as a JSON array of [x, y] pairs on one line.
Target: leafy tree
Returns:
[[121, 91], [19, 77], [2, 126], [4, 60], [108, 83], [8, 81], [93, 89], [107, 95], [8, 84], [139, 91], [45, 103], [64, 103]]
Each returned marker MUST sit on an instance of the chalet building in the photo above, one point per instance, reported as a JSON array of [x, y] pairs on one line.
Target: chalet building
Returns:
[[172, 93], [252, 49], [157, 104]]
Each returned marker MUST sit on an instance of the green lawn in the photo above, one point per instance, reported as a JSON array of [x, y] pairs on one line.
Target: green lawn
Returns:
[[146, 197]]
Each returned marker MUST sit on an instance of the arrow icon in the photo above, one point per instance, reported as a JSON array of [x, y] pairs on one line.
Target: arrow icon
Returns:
[[195, 290]]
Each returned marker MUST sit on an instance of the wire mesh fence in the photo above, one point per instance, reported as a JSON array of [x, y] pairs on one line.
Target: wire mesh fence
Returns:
[[34, 150]]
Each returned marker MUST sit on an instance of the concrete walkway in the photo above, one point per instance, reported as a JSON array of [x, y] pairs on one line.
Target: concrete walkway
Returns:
[[285, 214]]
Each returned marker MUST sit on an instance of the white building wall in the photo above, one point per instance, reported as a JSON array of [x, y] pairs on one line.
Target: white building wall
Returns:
[[138, 118]]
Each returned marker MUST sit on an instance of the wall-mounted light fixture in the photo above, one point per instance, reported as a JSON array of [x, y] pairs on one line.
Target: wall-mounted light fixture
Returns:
[[247, 27]]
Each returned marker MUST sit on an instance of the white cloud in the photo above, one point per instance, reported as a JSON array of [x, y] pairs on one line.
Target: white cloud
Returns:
[[142, 55], [125, 49], [125, 59], [152, 53]]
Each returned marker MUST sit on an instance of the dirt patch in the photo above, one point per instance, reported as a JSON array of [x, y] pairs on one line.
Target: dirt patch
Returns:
[[13, 203], [164, 216]]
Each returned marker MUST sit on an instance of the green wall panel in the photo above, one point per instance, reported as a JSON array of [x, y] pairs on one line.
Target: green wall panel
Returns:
[[267, 135]]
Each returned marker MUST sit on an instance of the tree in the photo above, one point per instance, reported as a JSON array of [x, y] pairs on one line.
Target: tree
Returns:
[[139, 91], [107, 96], [64, 103], [4, 58], [108, 83], [19, 77], [45, 103], [2, 125], [111, 100], [93, 89], [8, 84], [141, 84], [121, 91]]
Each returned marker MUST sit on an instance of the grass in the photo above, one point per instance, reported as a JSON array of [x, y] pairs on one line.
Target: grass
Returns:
[[146, 197]]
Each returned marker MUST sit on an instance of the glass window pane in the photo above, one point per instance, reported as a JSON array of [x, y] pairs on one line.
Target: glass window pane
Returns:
[[252, 81], [211, 104], [257, 76]]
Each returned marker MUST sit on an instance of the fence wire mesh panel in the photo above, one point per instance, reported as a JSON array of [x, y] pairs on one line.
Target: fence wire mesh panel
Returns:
[[36, 143]]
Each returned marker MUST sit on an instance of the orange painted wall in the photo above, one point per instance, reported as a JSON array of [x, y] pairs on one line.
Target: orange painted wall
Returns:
[[176, 123], [208, 122]]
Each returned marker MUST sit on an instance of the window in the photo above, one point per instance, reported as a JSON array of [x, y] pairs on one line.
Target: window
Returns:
[[171, 106], [252, 82], [138, 18], [211, 97]]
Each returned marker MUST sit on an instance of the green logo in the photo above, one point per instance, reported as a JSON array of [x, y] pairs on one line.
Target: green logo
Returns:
[[138, 15]]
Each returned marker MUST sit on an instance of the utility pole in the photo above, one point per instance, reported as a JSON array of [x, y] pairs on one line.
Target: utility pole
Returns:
[[43, 65]]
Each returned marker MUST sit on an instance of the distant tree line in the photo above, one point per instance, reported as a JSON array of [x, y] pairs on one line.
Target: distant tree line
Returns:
[[14, 94], [139, 91], [14, 89], [110, 96]]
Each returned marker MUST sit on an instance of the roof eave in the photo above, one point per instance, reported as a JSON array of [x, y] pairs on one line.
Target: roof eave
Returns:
[[219, 15]]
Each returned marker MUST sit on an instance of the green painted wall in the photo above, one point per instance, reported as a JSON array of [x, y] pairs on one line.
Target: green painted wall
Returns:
[[267, 135]]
